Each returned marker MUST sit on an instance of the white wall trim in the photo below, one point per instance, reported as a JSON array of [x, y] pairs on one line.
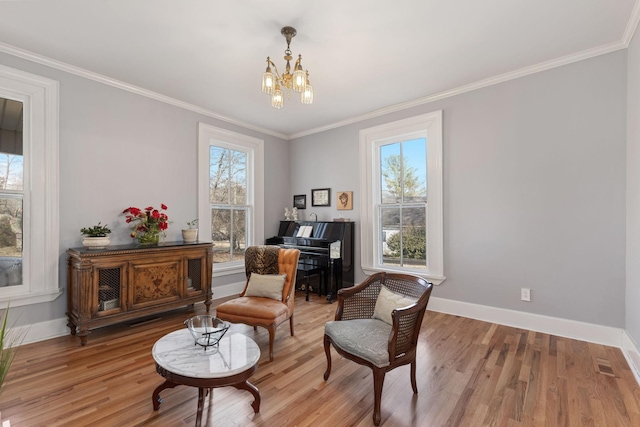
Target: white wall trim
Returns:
[[632, 354], [588, 332], [558, 62], [583, 331], [632, 24], [543, 66], [34, 57]]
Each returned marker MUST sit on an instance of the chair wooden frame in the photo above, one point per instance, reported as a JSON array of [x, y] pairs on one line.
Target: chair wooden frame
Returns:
[[358, 302]]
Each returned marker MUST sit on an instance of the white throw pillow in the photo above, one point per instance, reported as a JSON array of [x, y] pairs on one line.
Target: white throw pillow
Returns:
[[387, 302], [266, 285]]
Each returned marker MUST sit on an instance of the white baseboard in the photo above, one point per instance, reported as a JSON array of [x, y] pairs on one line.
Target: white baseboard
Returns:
[[44, 330], [58, 327], [632, 354], [589, 332]]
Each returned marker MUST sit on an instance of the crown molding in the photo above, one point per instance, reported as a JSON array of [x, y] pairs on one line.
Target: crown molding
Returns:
[[43, 60], [632, 25], [543, 66]]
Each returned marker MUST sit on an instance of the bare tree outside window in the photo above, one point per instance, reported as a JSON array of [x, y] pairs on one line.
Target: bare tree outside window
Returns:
[[11, 192], [228, 198]]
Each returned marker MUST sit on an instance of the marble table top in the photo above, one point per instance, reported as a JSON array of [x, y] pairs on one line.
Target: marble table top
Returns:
[[178, 353]]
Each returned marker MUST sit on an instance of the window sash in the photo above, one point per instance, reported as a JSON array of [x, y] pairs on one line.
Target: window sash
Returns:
[[372, 244]]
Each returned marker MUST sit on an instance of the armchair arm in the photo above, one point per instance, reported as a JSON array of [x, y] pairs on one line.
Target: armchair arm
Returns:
[[358, 302], [406, 327]]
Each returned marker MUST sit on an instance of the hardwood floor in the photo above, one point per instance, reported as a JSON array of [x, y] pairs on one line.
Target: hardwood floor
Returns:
[[470, 373]]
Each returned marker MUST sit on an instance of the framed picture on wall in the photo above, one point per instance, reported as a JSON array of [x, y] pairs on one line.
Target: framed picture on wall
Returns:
[[345, 200], [300, 201], [321, 197]]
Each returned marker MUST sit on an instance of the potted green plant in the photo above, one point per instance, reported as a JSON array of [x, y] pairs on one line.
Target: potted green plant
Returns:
[[96, 237], [190, 235]]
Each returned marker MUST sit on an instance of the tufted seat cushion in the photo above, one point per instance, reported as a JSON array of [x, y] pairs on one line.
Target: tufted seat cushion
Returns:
[[365, 338]]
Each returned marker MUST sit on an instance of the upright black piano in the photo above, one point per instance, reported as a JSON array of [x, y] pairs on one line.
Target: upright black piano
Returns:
[[325, 246]]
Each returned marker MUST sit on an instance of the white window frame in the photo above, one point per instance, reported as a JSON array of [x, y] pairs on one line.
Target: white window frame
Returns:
[[210, 135], [41, 226], [430, 126]]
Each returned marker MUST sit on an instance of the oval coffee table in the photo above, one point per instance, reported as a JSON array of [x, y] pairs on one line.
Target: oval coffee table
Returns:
[[182, 362]]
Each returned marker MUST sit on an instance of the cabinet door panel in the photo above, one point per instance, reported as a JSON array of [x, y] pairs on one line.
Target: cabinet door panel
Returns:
[[155, 282]]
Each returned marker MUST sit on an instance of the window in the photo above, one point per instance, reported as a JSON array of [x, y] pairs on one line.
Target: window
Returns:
[[230, 194], [29, 232], [402, 224]]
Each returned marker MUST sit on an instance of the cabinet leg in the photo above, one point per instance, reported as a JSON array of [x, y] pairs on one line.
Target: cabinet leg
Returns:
[[83, 333]]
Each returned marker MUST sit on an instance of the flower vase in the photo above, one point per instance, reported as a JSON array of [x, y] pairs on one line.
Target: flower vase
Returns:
[[149, 238]]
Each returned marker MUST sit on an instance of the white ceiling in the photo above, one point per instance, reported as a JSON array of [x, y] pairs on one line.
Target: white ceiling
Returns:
[[362, 55]]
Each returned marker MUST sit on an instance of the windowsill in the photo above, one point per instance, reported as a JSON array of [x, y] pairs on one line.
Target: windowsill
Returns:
[[228, 270], [436, 280], [28, 298]]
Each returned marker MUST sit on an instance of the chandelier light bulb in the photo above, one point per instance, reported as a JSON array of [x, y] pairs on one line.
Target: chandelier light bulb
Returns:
[[299, 78], [268, 79], [277, 99], [307, 94]]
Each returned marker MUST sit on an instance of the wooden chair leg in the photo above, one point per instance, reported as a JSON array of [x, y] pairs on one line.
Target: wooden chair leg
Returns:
[[291, 324], [272, 335], [414, 385], [327, 351], [378, 382]]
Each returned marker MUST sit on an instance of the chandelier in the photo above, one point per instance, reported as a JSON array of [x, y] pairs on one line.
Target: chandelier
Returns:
[[274, 82]]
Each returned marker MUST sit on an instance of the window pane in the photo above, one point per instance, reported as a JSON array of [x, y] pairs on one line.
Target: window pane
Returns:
[[221, 234], [414, 160], [238, 178], [390, 235], [390, 173], [10, 240], [239, 233], [414, 237], [219, 175]]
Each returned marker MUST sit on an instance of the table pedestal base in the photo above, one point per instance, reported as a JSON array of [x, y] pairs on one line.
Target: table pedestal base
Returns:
[[239, 381]]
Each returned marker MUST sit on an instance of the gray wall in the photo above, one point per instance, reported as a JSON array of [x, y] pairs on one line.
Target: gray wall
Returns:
[[534, 189], [119, 149], [632, 307]]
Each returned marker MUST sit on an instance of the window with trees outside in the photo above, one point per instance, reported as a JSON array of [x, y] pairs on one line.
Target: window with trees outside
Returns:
[[29, 229], [402, 204], [230, 193]]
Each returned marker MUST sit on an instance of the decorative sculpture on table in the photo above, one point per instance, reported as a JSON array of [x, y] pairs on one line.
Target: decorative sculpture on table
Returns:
[[294, 214], [287, 214]]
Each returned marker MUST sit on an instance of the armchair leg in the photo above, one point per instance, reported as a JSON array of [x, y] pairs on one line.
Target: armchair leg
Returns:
[[413, 377], [272, 334], [378, 382], [291, 324], [327, 351]]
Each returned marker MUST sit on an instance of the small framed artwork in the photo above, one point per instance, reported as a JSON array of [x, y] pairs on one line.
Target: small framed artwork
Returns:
[[321, 197], [345, 200], [300, 201]]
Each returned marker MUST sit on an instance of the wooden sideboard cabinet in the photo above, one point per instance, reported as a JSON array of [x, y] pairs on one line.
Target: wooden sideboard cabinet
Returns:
[[121, 283]]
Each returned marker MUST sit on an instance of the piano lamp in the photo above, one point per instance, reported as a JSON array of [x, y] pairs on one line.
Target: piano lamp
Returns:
[[273, 83]]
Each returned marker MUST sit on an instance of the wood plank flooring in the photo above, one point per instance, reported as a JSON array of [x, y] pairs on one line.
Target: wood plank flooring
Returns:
[[470, 373]]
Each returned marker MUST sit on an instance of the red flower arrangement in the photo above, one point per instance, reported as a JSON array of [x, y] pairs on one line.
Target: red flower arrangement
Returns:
[[148, 224]]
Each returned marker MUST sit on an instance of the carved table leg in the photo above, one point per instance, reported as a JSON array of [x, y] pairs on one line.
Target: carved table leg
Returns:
[[246, 385], [155, 398]]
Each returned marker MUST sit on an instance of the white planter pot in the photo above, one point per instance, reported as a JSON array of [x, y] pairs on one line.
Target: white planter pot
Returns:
[[190, 235], [96, 242]]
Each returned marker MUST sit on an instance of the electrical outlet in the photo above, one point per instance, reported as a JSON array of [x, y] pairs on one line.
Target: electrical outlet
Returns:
[[525, 294]]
